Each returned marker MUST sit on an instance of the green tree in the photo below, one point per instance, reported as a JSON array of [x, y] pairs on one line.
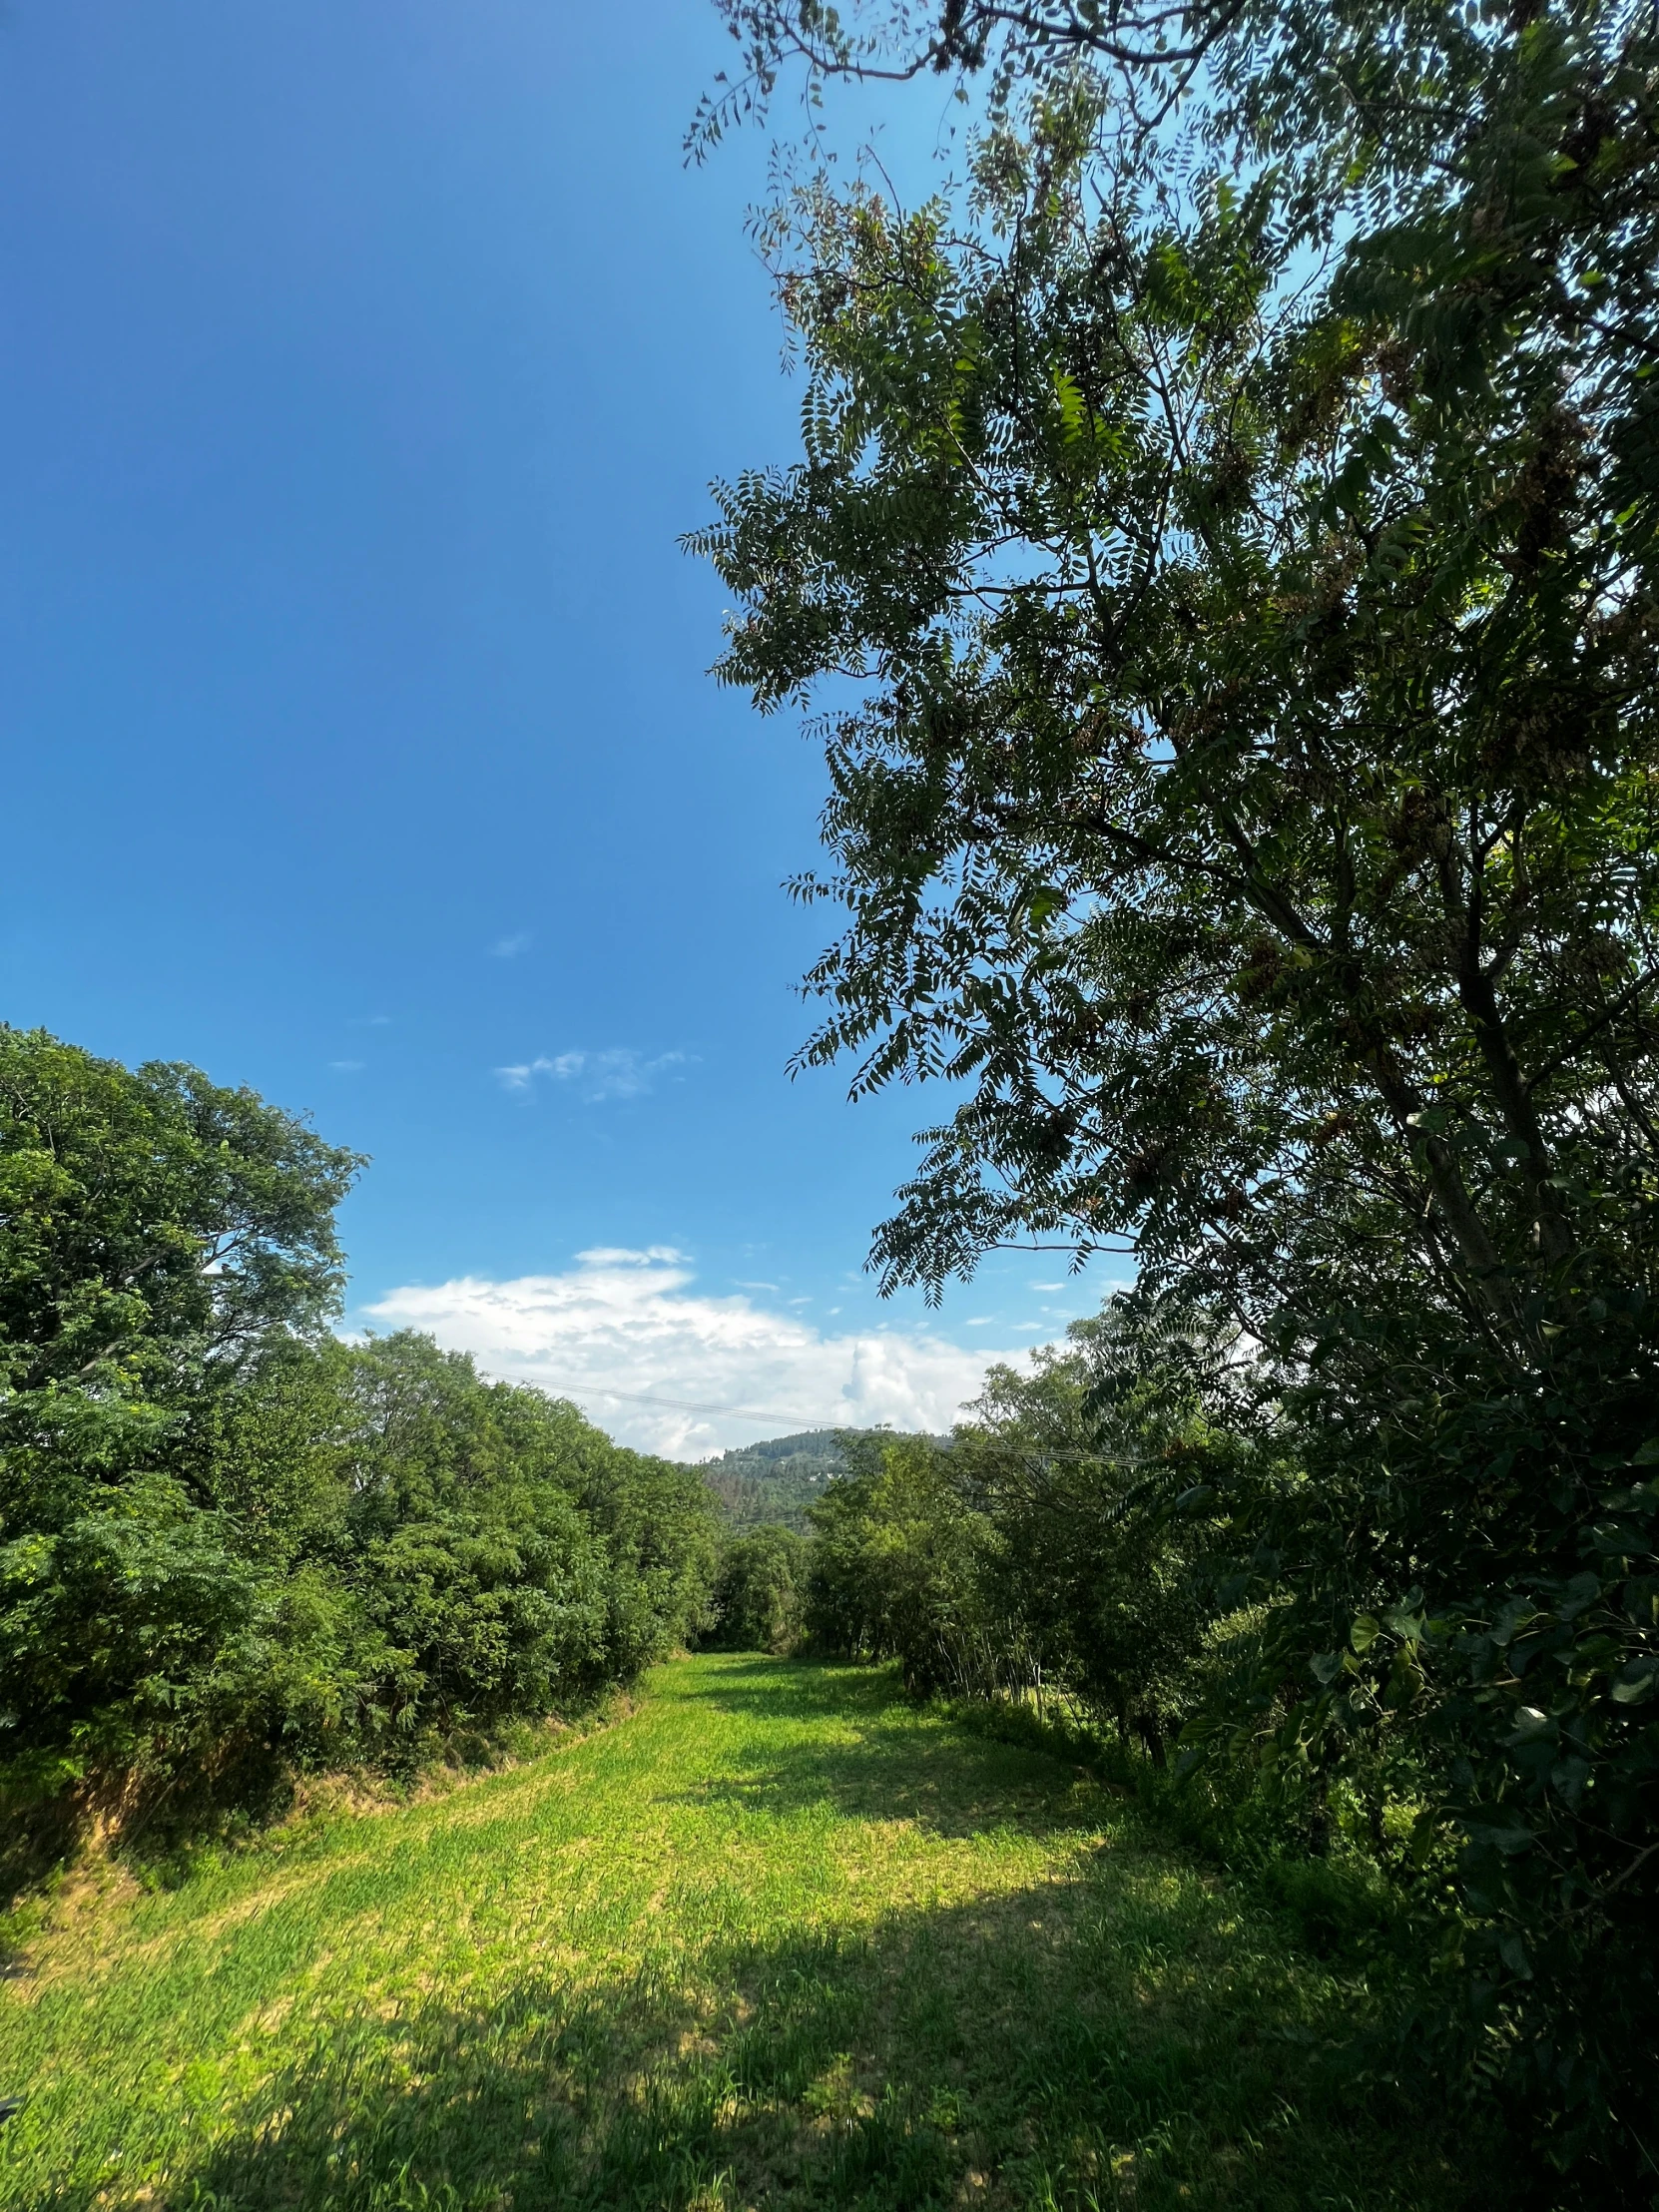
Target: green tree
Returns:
[[1230, 528], [165, 1244], [155, 1232], [898, 1568], [518, 1554], [231, 1546], [760, 1591], [1099, 1472]]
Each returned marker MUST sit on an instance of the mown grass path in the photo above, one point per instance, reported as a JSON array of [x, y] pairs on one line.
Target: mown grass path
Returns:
[[777, 1939]]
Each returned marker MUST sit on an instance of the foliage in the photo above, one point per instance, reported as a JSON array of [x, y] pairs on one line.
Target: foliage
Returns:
[[776, 1480], [777, 1936], [1233, 520], [899, 1565], [760, 1591], [155, 1231], [438, 1554], [1065, 1540], [231, 1546], [1099, 1471]]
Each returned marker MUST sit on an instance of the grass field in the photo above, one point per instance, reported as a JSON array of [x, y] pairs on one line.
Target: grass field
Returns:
[[775, 1939]]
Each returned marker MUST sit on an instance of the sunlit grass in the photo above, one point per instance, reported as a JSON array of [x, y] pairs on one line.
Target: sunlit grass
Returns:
[[777, 1939]]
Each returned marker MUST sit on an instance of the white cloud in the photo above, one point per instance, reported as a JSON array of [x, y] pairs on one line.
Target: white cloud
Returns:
[[508, 948], [629, 1256], [619, 1072], [345, 1067], [624, 1321]]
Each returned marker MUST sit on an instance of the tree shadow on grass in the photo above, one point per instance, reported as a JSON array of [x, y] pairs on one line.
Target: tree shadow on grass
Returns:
[[882, 1758], [765, 1688], [1073, 2045]]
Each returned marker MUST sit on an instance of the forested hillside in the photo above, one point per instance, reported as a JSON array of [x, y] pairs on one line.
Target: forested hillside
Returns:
[[776, 1480]]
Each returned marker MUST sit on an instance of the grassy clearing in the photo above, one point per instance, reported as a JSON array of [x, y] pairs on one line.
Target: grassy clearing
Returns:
[[776, 1939]]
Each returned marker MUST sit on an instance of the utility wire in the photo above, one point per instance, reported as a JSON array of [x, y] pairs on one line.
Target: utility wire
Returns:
[[687, 1405]]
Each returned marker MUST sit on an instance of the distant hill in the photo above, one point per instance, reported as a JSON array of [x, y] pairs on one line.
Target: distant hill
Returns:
[[776, 1480]]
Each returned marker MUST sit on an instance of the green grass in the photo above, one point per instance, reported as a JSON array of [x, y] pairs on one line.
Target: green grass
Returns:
[[776, 1939]]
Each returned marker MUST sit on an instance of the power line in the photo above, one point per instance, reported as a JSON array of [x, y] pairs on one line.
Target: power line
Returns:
[[687, 1405]]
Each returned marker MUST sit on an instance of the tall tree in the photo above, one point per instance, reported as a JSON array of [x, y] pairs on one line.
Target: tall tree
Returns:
[[156, 1231], [1234, 518]]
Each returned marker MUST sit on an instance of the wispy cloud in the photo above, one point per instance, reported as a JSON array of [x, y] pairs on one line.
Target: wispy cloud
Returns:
[[508, 948], [345, 1067], [664, 1369], [631, 1256], [594, 1076]]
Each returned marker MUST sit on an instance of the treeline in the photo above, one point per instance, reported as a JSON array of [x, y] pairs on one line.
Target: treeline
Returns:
[[1056, 1545], [1165, 1539], [232, 1547], [1098, 1537]]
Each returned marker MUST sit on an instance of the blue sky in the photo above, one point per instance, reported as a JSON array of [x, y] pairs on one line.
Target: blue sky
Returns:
[[361, 363]]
